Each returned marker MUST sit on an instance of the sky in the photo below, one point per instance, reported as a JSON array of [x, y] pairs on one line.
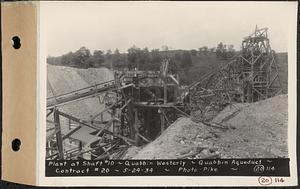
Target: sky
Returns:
[[180, 25]]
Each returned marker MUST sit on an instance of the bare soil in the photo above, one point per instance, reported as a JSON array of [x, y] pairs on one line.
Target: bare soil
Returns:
[[62, 80], [257, 130]]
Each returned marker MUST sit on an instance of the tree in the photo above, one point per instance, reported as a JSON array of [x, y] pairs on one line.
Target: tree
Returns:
[[133, 57], [117, 52], [81, 56], [231, 51], [174, 64], [108, 53], [205, 50], [186, 59], [97, 58], [155, 59], [220, 50], [68, 59], [117, 59], [193, 52], [213, 49]]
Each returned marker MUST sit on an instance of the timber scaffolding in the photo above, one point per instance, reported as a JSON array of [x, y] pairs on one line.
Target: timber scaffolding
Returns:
[[141, 106], [250, 76]]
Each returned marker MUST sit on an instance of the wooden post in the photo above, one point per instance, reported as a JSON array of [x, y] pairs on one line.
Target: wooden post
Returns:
[[70, 124], [80, 149], [165, 92], [162, 117], [58, 135], [131, 120], [101, 117], [147, 123], [162, 122], [136, 129], [122, 122], [113, 122]]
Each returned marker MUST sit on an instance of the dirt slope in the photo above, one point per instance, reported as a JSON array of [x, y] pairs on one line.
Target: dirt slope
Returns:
[[66, 79], [261, 129], [179, 139], [254, 130]]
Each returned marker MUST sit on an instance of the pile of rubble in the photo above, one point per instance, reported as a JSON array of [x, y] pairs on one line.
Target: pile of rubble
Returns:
[[257, 130], [183, 139]]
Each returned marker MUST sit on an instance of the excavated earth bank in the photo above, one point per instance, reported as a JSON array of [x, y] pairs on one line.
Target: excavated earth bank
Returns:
[[257, 130]]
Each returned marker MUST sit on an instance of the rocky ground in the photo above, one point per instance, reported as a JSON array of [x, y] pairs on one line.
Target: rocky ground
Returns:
[[257, 130]]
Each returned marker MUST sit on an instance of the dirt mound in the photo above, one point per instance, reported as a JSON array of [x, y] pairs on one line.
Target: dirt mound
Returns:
[[257, 130], [183, 139], [95, 75], [66, 79], [260, 129], [62, 80]]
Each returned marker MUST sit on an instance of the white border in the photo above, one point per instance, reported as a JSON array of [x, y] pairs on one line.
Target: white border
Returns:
[[166, 180]]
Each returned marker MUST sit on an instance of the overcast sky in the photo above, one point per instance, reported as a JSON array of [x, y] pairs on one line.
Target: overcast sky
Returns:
[[180, 25]]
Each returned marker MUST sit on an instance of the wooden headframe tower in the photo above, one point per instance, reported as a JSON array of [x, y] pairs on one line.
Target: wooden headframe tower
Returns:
[[250, 76], [256, 68]]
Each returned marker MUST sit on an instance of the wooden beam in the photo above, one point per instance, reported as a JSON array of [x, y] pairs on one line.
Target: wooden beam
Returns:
[[59, 141], [166, 117], [102, 156], [48, 157], [156, 105], [71, 132], [182, 112], [84, 123], [102, 111], [79, 94], [128, 101], [50, 112], [135, 128], [142, 137], [162, 123]]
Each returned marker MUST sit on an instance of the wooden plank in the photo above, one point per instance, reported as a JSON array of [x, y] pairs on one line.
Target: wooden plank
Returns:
[[71, 132], [58, 135], [142, 137], [135, 126], [102, 111], [182, 112], [84, 123], [77, 95], [162, 123], [50, 112], [147, 105], [127, 102]]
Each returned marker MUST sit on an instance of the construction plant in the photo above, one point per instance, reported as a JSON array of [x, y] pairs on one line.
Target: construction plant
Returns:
[[142, 104]]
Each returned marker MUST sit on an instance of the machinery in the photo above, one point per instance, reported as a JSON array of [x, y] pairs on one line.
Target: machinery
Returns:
[[249, 76], [142, 104]]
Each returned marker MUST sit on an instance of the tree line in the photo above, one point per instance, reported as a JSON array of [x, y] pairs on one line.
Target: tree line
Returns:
[[135, 57], [142, 58]]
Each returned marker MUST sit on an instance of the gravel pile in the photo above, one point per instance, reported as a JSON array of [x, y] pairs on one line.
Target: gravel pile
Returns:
[[62, 80], [257, 130]]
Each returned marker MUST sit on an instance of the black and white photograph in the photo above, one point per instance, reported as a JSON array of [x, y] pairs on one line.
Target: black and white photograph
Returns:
[[149, 93], [167, 80]]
